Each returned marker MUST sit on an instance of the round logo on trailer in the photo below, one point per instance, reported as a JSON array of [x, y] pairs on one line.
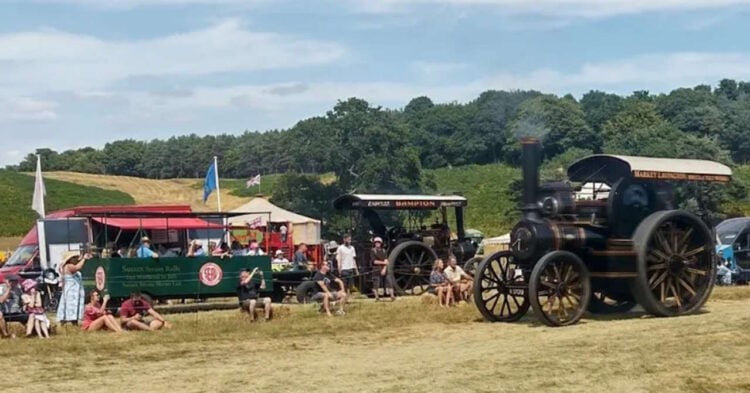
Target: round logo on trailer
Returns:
[[210, 274], [100, 276]]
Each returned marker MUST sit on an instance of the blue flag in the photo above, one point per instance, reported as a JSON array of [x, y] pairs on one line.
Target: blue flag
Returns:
[[209, 185]]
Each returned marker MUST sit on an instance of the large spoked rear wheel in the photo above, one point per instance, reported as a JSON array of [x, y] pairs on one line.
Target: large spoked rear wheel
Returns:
[[500, 292], [410, 263], [559, 288], [675, 263]]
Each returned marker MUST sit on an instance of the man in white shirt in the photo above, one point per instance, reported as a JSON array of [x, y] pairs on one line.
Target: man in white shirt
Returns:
[[346, 261], [253, 249], [462, 282]]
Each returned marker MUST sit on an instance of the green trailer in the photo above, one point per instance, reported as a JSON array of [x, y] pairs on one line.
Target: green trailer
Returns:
[[105, 231], [172, 278]]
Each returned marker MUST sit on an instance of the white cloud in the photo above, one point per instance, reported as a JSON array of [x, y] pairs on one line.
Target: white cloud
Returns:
[[27, 109], [143, 3], [655, 72], [436, 70], [582, 8], [44, 60]]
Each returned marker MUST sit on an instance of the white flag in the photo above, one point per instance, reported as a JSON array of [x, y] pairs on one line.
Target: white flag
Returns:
[[255, 181], [37, 204]]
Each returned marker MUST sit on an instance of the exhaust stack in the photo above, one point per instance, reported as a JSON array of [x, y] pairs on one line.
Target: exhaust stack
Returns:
[[531, 155]]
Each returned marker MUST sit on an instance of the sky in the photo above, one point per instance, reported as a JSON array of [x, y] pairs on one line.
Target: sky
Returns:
[[76, 73]]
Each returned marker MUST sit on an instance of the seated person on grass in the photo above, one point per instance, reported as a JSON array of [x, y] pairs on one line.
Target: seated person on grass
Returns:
[[32, 303], [96, 316], [461, 281], [325, 292], [137, 314], [10, 303], [440, 285], [248, 292]]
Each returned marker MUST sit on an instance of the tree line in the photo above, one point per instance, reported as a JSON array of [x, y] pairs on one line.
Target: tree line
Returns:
[[374, 149]]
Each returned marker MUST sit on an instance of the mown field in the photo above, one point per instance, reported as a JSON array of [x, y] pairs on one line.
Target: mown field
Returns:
[[16, 190], [406, 346]]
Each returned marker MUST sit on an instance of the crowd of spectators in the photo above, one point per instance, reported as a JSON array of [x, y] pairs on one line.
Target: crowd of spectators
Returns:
[[333, 281]]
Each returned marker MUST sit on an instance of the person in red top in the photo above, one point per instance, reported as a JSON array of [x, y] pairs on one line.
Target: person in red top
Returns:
[[95, 315], [137, 314]]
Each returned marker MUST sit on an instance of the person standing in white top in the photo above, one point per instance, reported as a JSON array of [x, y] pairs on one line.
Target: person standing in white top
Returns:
[[346, 261]]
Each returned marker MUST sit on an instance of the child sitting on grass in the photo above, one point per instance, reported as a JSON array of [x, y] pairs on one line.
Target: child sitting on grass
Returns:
[[32, 303]]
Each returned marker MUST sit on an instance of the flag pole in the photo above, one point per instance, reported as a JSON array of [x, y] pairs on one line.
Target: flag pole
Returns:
[[218, 201], [39, 190], [218, 189]]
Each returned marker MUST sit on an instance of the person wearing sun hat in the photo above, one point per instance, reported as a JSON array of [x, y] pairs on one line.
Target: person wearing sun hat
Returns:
[[70, 308], [279, 262], [32, 303], [145, 251], [380, 275]]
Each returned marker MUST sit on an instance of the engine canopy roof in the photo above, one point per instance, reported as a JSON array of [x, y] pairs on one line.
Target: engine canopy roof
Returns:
[[609, 168]]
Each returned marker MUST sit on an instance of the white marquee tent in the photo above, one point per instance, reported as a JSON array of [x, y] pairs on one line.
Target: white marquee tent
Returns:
[[304, 229]]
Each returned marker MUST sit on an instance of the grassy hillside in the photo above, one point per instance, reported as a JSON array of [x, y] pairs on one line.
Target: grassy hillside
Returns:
[[238, 187], [145, 191], [486, 187], [16, 190]]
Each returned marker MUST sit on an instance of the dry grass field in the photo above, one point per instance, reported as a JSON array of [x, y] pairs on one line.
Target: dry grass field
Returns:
[[407, 346], [150, 191], [9, 243]]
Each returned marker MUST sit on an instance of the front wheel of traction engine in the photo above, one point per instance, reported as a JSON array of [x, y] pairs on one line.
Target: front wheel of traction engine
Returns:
[[559, 288], [500, 291]]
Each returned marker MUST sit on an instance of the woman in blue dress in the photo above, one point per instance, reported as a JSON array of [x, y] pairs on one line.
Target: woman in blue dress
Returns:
[[70, 308]]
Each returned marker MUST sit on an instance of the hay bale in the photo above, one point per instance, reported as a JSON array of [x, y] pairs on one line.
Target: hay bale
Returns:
[[428, 298], [281, 311]]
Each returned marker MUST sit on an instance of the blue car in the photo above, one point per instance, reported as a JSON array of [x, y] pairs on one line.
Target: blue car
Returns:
[[733, 237]]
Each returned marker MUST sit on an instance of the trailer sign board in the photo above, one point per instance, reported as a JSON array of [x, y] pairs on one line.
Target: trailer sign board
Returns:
[[171, 277]]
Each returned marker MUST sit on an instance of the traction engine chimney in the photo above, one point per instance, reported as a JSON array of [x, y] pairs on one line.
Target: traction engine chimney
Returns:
[[530, 157]]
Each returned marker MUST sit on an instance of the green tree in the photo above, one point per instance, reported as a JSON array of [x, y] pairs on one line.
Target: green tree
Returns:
[[558, 122], [124, 157], [494, 110], [371, 155], [598, 107], [305, 194]]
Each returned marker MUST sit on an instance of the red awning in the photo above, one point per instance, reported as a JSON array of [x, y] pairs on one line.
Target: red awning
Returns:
[[157, 223]]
